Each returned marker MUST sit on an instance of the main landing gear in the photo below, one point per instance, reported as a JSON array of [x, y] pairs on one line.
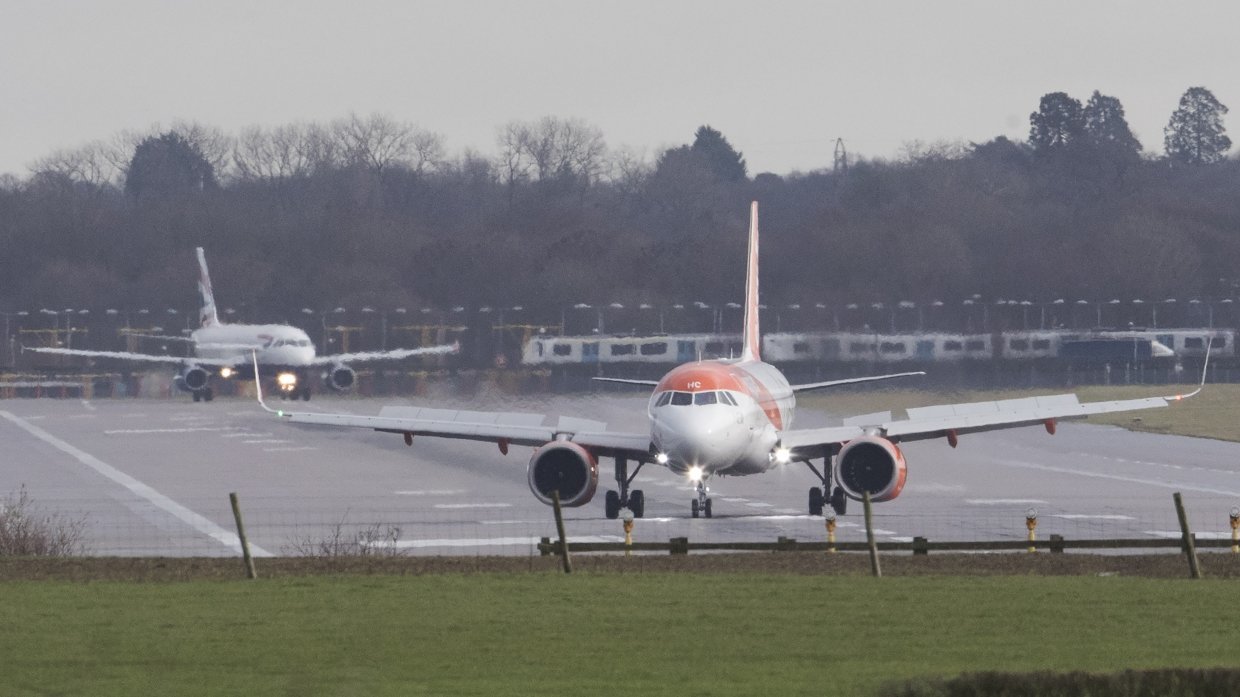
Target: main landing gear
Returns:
[[819, 498], [700, 505], [204, 395], [633, 500]]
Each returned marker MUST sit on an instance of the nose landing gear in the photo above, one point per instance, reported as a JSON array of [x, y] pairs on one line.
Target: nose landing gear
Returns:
[[700, 505]]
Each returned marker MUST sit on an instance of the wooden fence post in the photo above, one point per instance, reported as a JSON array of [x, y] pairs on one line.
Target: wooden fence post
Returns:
[[869, 536], [559, 528], [1190, 544], [245, 544]]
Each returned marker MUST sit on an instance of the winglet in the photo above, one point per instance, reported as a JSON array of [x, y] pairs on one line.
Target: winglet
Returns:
[[752, 345], [258, 387], [1205, 368]]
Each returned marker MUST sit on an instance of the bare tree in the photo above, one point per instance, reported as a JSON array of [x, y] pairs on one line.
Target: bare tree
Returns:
[[378, 142], [91, 164]]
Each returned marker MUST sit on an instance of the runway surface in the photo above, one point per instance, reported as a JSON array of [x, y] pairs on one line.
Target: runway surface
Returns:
[[152, 477]]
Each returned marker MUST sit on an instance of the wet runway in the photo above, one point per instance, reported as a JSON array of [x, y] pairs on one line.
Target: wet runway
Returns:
[[152, 477]]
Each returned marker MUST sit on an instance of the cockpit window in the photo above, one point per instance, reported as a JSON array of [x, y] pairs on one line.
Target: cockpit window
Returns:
[[663, 399], [728, 398], [705, 398], [681, 399]]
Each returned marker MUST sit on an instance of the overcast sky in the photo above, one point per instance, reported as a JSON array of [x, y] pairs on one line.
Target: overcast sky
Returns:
[[782, 80]]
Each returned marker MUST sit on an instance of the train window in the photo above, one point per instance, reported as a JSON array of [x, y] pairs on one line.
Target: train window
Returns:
[[892, 347], [1194, 342], [714, 348], [681, 399], [622, 349], [562, 349], [800, 347], [656, 348], [734, 349], [1041, 344], [664, 399], [1019, 344], [860, 347], [703, 398], [1218, 342], [952, 345], [975, 345]]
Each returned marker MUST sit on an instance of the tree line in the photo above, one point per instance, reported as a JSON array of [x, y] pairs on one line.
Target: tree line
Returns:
[[369, 210]]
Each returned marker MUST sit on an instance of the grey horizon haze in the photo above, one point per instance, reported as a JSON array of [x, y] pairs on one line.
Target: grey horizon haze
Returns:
[[780, 80]]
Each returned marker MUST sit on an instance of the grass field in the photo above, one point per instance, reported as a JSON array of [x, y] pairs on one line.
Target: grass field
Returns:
[[1215, 413], [548, 634]]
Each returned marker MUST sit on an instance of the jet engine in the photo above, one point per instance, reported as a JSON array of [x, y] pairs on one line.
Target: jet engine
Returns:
[[871, 464], [194, 378], [564, 466], [339, 377]]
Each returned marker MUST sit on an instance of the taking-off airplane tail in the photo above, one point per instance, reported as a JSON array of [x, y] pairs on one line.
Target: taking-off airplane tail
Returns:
[[207, 316], [752, 348]]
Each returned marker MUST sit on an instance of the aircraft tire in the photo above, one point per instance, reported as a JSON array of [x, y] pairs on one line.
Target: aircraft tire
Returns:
[[208, 394], [839, 501], [611, 504], [637, 503], [815, 501], [197, 396], [706, 509], [693, 508]]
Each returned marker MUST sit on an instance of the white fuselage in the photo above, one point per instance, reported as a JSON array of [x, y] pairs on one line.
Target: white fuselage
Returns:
[[276, 344], [720, 417]]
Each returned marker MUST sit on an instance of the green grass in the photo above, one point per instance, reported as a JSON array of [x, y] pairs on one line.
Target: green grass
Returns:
[[547, 634], [1211, 414]]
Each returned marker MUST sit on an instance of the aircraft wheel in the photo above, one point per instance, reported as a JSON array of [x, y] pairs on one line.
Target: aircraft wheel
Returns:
[[637, 503], [305, 394], [706, 509], [208, 394], [839, 501], [197, 396], [611, 504], [693, 508], [815, 501]]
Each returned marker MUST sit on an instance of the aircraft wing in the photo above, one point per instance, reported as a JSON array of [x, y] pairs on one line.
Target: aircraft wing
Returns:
[[365, 356], [140, 357], [849, 381], [953, 420], [505, 428]]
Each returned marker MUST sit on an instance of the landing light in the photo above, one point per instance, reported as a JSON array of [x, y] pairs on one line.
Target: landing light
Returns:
[[661, 458], [783, 456], [286, 381], [695, 473], [226, 372]]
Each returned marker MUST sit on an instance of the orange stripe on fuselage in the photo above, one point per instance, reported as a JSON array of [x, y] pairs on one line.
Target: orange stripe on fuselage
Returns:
[[708, 376]]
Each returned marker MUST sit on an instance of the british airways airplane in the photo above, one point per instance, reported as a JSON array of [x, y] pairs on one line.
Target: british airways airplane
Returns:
[[725, 417], [283, 352]]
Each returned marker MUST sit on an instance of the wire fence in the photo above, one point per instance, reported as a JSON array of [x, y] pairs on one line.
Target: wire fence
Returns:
[[300, 526]]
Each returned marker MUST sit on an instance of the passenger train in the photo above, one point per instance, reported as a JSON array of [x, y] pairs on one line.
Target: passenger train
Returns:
[[1136, 345]]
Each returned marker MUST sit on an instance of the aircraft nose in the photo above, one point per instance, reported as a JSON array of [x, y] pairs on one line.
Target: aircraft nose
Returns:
[[699, 436]]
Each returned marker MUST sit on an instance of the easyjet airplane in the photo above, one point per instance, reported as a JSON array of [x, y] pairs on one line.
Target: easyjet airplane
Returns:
[[283, 352], [725, 417]]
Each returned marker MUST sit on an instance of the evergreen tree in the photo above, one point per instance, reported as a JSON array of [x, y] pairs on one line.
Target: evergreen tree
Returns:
[[726, 163], [1058, 122], [168, 164], [1196, 135], [1106, 126]]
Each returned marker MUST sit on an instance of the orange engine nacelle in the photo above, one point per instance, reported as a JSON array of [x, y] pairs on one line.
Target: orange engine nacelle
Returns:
[[871, 464], [564, 466]]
